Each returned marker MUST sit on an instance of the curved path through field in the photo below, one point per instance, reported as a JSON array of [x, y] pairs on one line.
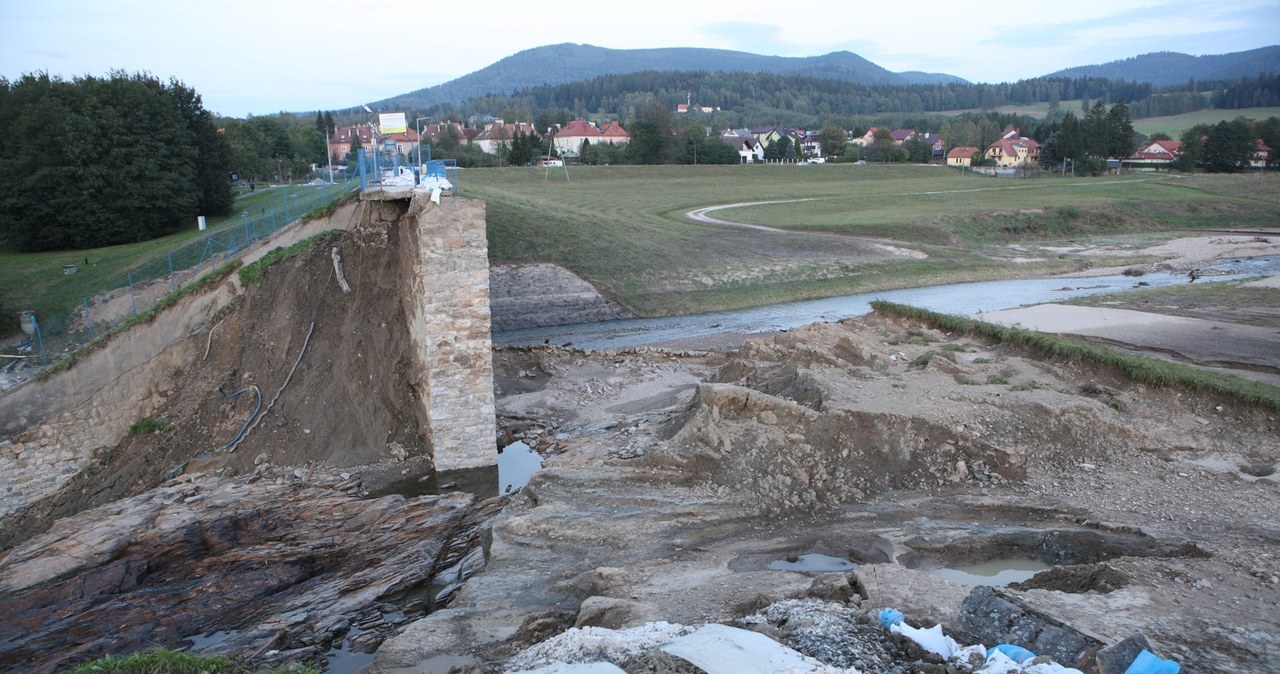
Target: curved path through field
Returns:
[[702, 215]]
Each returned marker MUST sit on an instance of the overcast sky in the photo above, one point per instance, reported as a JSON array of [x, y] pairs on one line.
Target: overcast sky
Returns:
[[263, 56]]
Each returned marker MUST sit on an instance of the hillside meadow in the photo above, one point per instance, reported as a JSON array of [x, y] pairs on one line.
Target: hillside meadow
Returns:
[[625, 229], [1174, 125]]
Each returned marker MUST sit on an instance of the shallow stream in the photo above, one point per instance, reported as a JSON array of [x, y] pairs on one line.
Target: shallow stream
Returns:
[[955, 298]]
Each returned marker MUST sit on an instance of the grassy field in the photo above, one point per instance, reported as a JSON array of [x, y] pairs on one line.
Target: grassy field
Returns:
[[1174, 125], [623, 227], [35, 281]]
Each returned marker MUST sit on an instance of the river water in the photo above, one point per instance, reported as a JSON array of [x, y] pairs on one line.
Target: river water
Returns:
[[956, 298]]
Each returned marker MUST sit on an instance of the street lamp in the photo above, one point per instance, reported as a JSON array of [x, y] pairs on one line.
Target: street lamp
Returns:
[[373, 140], [419, 130]]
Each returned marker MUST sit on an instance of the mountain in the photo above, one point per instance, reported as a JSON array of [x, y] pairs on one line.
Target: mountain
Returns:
[[1168, 68], [562, 63]]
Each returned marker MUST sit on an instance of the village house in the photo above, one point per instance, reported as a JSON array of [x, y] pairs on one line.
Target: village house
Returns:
[[768, 135], [568, 140], [340, 140], [499, 134], [962, 156], [867, 138], [1014, 149], [749, 149], [404, 144], [432, 133], [937, 147], [1261, 155], [614, 134], [901, 136], [1155, 155]]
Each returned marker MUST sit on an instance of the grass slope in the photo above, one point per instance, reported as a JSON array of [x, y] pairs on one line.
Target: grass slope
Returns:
[[35, 281], [1174, 125]]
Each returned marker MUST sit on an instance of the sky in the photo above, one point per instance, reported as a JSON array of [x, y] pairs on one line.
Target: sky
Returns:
[[264, 56]]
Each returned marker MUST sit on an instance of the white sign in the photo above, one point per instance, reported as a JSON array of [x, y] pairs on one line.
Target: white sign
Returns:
[[392, 122]]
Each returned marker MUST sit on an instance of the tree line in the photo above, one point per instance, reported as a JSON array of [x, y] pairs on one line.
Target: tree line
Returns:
[[97, 161], [747, 99]]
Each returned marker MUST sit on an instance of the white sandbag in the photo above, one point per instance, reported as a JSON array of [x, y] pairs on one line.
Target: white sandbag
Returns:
[[932, 639], [720, 649]]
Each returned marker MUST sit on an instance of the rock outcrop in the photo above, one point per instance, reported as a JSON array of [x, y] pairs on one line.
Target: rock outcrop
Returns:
[[284, 564]]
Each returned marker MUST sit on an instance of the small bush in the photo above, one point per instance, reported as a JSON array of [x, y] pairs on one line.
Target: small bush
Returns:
[[920, 361], [1003, 377], [1135, 271], [148, 426]]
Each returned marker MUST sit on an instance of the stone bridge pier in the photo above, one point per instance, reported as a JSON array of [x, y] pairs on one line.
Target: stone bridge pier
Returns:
[[445, 296]]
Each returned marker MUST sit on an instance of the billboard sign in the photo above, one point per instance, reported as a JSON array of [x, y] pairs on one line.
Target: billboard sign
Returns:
[[392, 122]]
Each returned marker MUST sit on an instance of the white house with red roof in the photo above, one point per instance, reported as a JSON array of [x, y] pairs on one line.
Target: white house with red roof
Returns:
[[500, 133], [1262, 155], [1154, 155], [568, 140]]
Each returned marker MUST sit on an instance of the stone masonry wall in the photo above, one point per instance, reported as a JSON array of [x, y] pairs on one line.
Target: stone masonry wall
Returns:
[[447, 305]]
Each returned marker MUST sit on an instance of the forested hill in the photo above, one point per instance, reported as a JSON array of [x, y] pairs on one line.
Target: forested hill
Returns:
[[562, 63], [1168, 68]]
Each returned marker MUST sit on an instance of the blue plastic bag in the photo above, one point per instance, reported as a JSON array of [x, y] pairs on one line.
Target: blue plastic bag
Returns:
[[889, 617], [1150, 663], [1016, 653]]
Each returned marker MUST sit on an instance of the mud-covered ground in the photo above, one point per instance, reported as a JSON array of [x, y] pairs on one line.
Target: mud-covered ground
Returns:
[[673, 480]]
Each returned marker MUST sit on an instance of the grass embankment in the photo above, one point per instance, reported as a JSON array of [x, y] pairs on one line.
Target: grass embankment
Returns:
[[624, 228], [252, 273], [35, 281], [161, 661], [1139, 368]]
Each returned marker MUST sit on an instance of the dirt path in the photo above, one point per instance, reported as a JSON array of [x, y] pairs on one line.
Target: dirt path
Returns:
[[703, 215]]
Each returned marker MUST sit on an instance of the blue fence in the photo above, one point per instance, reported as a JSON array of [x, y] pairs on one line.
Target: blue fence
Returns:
[[53, 337]]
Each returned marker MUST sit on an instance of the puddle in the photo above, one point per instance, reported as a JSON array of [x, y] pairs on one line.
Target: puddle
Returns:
[[483, 482], [1249, 472], [516, 464], [812, 563], [996, 572], [343, 660]]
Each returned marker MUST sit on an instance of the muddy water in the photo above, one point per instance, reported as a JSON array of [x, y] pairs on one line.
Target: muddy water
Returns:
[[956, 298], [516, 464], [812, 563], [996, 572]]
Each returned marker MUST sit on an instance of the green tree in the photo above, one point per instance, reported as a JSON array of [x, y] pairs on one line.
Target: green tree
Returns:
[[1096, 132], [1229, 146], [1121, 141], [1070, 138], [917, 150], [99, 161], [832, 140], [1268, 131]]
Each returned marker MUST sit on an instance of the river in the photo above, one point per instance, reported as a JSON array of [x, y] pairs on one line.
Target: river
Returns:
[[955, 298]]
